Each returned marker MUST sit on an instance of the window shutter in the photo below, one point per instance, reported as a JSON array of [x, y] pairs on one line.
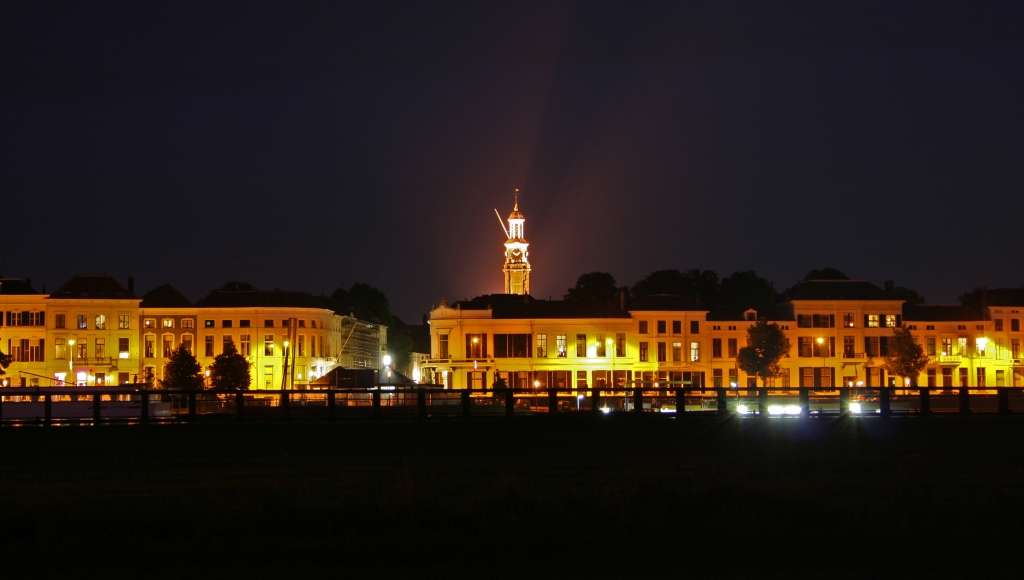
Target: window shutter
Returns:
[[8, 318], [42, 350], [483, 347], [867, 346], [865, 321], [883, 346], [831, 320], [832, 346], [899, 320], [468, 349]]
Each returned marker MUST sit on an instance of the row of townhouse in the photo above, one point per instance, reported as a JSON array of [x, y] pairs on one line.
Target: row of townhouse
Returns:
[[94, 331], [838, 333]]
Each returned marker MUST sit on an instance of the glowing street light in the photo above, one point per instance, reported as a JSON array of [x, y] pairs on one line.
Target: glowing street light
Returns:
[[821, 349], [386, 360]]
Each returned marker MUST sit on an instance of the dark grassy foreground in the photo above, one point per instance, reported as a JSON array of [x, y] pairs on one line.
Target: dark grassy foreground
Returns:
[[609, 498]]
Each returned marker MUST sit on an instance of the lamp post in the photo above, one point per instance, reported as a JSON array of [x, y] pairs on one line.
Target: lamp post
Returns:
[[71, 360], [611, 353], [821, 346]]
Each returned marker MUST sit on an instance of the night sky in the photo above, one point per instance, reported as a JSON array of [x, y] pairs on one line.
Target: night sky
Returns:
[[309, 147]]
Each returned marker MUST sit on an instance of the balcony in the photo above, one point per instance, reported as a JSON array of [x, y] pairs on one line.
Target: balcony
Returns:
[[946, 359], [851, 355], [95, 361]]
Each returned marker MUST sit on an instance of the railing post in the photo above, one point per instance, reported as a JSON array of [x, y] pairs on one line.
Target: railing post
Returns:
[[552, 400], [723, 401], [96, 397], [680, 400], [421, 401], [595, 400], [330, 404], [376, 404], [638, 398], [466, 403], [1, 408], [926, 400], [191, 407], [805, 402], [965, 401], [844, 400], [510, 402], [47, 410], [286, 401], [762, 402], [144, 407], [1004, 401], [239, 404], [884, 404]]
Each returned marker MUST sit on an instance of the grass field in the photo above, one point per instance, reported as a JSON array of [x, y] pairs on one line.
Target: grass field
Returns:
[[584, 497]]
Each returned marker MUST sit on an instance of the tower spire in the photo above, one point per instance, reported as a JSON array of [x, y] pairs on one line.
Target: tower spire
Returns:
[[517, 264]]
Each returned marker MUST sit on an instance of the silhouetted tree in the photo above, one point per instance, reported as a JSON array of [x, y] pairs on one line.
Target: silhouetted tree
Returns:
[[747, 289], [826, 274], [183, 371], [909, 297], [230, 370], [594, 288], [698, 286], [974, 300], [5, 361], [766, 345], [906, 358]]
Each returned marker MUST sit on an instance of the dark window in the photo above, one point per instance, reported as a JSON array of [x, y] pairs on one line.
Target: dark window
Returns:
[[643, 327], [513, 345], [581, 342], [661, 352], [804, 320], [694, 327], [208, 324], [999, 324], [268, 323], [643, 352], [716, 348], [871, 346], [661, 327], [243, 323], [225, 324], [732, 348], [677, 327], [1015, 325]]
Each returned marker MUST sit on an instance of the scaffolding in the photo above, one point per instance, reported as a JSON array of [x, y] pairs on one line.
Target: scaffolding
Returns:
[[361, 344]]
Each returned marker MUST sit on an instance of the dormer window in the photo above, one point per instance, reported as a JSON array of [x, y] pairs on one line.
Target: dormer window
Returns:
[[750, 315]]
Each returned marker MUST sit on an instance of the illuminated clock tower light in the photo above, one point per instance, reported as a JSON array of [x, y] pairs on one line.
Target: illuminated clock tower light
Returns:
[[517, 264]]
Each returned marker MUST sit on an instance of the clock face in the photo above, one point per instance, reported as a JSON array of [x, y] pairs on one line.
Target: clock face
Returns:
[[517, 253]]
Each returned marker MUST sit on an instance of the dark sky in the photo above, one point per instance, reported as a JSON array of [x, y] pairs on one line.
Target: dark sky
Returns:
[[324, 145]]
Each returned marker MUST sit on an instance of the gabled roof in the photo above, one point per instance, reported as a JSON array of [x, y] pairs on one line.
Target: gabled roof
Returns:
[[835, 290], [739, 313], [1005, 297], [526, 306], [11, 286], [939, 313], [665, 302], [165, 296], [92, 287]]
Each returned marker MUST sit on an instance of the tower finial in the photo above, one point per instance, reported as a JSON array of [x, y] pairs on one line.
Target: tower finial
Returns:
[[516, 208]]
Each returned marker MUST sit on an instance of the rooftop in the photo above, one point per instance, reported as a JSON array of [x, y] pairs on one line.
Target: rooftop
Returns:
[[93, 286], [1005, 297], [11, 286], [739, 313], [165, 296], [835, 290], [665, 302], [939, 313]]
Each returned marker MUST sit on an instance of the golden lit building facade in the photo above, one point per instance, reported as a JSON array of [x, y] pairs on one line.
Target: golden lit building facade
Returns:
[[93, 331]]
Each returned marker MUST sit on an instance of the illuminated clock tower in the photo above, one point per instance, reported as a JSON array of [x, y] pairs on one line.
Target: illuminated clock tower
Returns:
[[517, 265]]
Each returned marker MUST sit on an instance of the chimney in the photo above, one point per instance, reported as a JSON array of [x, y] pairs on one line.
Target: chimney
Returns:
[[889, 286], [131, 285], [28, 282], [622, 299]]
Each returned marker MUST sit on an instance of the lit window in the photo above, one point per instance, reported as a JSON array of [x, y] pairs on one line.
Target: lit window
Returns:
[[101, 347], [872, 321], [123, 321], [149, 323], [677, 352], [167, 323], [560, 345], [694, 351], [101, 321], [188, 323], [890, 321], [62, 348], [542, 346], [268, 345], [82, 323], [243, 345]]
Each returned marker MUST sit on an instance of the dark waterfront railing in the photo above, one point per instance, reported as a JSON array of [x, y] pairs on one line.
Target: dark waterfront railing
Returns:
[[134, 404]]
